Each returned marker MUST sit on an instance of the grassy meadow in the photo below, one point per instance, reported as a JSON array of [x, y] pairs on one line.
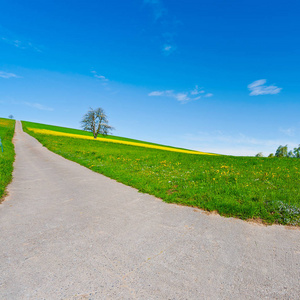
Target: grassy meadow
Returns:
[[88, 135], [264, 189], [8, 155]]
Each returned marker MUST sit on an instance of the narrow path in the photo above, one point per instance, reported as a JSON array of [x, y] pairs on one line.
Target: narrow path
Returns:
[[69, 233]]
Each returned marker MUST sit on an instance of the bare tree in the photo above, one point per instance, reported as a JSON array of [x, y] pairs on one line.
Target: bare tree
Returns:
[[95, 121]]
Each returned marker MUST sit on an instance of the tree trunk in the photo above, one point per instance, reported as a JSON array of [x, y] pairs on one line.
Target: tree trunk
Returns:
[[95, 134]]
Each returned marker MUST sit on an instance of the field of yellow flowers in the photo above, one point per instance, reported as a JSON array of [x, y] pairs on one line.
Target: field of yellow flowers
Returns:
[[245, 187], [104, 139]]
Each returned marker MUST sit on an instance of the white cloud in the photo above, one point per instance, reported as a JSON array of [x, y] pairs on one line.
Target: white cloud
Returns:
[[258, 87], [208, 95], [182, 97], [20, 44], [8, 75], [168, 49], [103, 78], [156, 93], [257, 83], [239, 144], [288, 131], [219, 136], [196, 91], [38, 106], [158, 9], [10, 38], [167, 23]]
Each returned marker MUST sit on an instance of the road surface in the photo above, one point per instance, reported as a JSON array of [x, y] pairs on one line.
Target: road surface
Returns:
[[69, 233]]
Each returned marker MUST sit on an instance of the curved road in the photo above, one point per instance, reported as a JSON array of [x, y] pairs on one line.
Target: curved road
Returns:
[[69, 233]]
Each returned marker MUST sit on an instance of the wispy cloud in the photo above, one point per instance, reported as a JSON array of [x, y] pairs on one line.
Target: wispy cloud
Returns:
[[219, 136], [8, 75], [167, 23], [20, 44], [208, 95], [288, 131], [182, 97], [157, 93], [197, 90], [10, 38], [38, 106], [258, 87], [238, 144], [103, 79], [158, 8], [168, 49]]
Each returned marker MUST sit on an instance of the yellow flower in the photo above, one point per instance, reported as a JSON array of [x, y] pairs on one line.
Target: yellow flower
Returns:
[[86, 137]]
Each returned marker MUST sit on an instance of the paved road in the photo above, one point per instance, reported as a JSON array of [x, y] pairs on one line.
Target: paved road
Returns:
[[69, 233]]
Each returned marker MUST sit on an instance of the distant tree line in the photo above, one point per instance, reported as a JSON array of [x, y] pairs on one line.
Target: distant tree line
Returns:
[[282, 151]]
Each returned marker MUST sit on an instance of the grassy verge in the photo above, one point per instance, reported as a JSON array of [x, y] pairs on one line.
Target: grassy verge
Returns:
[[243, 187], [7, 156]]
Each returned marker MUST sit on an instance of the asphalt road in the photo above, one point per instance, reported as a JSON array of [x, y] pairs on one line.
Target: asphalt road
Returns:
[[69, 233]]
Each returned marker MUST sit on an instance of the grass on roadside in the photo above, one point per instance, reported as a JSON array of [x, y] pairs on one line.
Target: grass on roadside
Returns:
[[8, 155], [243, 187]]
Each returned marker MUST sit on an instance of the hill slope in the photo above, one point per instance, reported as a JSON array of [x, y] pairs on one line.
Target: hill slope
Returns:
[[76, 133]]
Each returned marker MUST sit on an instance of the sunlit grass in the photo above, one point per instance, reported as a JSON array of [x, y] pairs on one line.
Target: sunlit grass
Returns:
[[243, 187], [7, 156], [104, 139], [87, 133]]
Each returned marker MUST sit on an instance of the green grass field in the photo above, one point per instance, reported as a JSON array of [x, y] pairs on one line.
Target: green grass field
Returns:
[[265, 189], [8, 155], [82, 132]]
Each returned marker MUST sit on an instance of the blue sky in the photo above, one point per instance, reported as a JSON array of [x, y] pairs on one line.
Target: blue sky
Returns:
[[217, 76]]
